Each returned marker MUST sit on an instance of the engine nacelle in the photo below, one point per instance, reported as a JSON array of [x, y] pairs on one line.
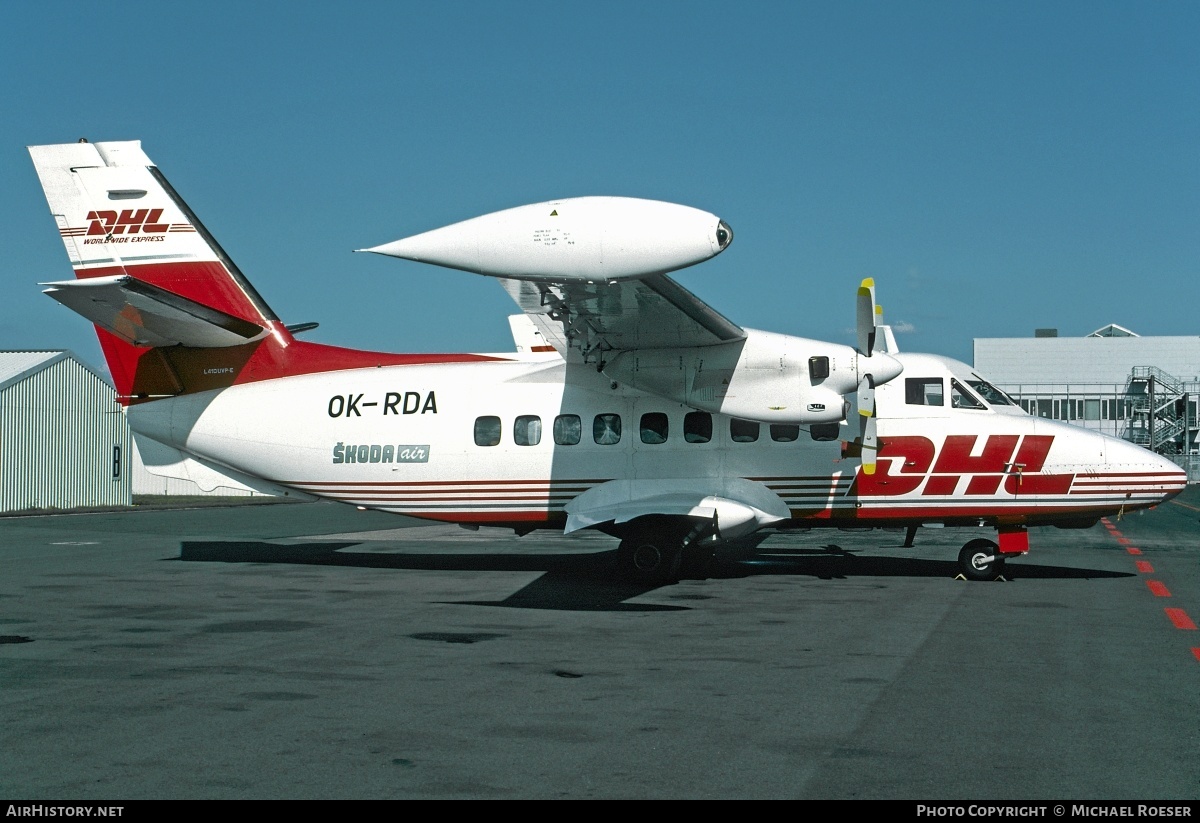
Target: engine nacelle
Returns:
[[579, 238], [771, 378]]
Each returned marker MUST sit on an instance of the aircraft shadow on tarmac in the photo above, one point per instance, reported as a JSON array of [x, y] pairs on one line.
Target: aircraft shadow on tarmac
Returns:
[[589, 581]]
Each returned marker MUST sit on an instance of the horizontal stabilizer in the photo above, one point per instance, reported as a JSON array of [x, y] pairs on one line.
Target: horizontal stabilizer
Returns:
[[147, 315]]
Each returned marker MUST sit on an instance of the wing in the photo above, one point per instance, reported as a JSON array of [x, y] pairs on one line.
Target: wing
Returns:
[[591, 271], [653, 312]]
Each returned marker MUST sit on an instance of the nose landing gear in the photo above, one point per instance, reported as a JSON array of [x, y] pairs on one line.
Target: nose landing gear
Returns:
[[980, 559]]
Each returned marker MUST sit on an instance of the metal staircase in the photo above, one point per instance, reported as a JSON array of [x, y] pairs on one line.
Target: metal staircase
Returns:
[[1158, 418]]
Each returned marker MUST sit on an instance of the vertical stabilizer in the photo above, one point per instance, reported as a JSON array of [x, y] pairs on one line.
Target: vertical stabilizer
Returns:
[[173, 313]]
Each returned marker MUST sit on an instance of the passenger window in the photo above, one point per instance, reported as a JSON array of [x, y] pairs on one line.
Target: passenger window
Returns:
[[960, 398], [487, 430], [654, 428], [784, 432], [743, 431], [567, 430], [606, 429], [923, 391], [697, 427], [527, 430]]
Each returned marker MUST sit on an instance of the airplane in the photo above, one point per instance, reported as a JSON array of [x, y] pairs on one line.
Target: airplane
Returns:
[[630, 406]]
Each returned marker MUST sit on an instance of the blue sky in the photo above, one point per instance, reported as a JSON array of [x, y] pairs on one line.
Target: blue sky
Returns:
[[996, 167]]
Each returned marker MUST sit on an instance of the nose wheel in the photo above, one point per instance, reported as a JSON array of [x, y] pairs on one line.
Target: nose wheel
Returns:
[[980, 559]]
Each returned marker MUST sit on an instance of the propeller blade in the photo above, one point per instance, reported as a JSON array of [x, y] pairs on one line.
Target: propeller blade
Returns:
[[868, 317], [868, 438]]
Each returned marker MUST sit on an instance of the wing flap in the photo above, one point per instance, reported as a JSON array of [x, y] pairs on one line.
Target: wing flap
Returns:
[[652, 312], [147, 315]]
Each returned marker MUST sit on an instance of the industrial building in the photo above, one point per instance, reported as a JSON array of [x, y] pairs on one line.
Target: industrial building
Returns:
[[1141, 389], [63, 440], [65, 444]]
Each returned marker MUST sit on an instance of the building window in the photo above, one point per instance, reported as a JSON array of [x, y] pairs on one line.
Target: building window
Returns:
[[1091, 409]]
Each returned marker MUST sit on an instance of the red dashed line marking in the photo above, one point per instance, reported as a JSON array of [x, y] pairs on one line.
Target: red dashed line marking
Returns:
[[1181, 620], [1178, 617]]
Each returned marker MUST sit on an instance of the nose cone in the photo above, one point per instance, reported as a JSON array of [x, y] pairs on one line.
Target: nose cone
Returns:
[[1145, 477], [722, 237]]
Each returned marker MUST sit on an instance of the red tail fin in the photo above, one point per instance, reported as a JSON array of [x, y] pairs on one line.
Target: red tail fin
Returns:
[[173, 313]]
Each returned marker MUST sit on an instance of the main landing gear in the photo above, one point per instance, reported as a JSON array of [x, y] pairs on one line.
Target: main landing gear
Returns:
[[657, 552]]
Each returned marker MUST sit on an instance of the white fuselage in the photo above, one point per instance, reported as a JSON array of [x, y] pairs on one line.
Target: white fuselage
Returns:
[[513, 441]]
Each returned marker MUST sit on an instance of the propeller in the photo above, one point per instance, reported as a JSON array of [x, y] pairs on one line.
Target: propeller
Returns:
[[869, 316]]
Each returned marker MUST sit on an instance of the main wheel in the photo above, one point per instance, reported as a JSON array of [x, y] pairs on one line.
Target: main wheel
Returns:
[[980, 560], [650, 556]]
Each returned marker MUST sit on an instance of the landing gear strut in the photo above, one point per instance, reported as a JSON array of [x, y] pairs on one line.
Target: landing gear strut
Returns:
[[980, 559]]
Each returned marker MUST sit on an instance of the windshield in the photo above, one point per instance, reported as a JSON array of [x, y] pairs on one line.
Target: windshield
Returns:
[[989, 392]]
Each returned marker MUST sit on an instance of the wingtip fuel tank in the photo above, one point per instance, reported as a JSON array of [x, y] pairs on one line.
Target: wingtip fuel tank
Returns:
[[584, 238]]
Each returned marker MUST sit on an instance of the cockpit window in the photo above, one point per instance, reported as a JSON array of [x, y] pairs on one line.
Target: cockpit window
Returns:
[[989, 392], [923, 391], [960, 398]]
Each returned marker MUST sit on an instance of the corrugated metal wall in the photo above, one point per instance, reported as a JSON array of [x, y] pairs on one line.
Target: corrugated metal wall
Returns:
[[63, 441]]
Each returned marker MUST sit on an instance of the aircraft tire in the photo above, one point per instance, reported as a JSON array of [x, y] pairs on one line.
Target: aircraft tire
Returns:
[[650, 556], [972, 560]]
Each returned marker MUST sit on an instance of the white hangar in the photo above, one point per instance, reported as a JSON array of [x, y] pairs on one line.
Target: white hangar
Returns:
[[63, 441], [65, 444]]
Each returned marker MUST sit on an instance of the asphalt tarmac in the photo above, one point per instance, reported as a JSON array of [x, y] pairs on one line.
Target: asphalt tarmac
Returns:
[[315, 651]]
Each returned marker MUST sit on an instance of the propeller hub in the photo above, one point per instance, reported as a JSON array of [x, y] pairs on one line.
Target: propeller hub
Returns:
[[882, 367]]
